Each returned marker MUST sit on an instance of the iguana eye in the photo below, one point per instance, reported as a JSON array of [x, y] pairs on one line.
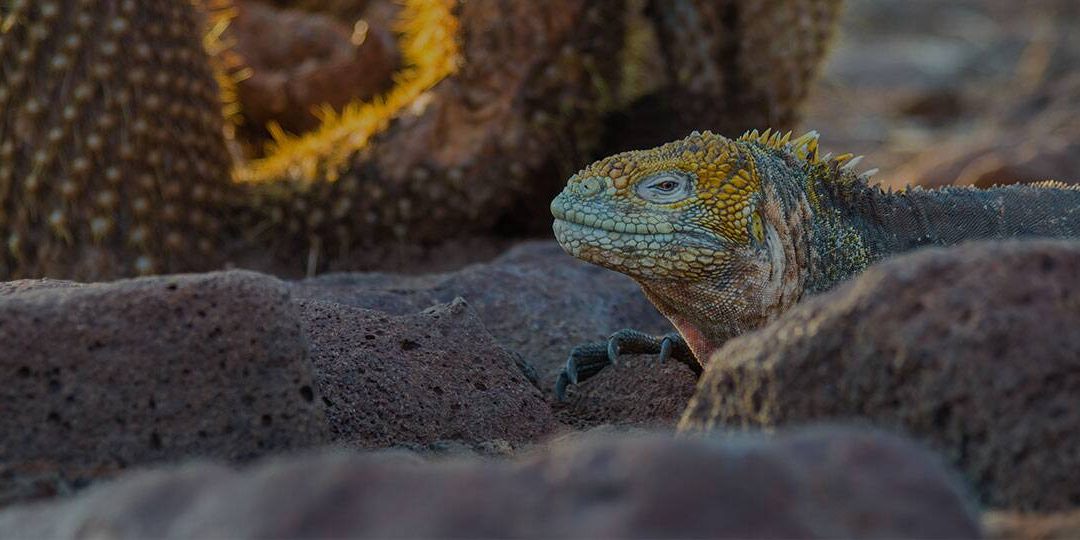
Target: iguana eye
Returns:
[[665, 187]]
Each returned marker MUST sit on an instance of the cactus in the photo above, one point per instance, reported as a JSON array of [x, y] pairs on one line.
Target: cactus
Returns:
[[112, 159], [497, 103], [115, 126]]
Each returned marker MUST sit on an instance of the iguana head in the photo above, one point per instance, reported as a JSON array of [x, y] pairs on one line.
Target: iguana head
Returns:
[[699, 216], [679, 211]]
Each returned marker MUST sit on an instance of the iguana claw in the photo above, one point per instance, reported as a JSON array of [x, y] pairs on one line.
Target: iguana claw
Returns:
[[665, 349], [585, 361]]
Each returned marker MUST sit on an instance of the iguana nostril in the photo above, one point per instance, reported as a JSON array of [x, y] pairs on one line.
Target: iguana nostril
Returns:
[[591, 186]]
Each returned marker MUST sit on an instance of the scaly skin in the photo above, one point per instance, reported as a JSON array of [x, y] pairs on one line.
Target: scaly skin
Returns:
[[725, 235]]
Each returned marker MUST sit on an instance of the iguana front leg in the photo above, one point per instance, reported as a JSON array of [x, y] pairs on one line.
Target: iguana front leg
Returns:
[[587, 360]]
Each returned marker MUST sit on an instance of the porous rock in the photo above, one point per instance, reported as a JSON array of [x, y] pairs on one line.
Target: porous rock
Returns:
[[539, 302], [821, 483], [637, 392], [972, 349], [419, 379], [105, 376]]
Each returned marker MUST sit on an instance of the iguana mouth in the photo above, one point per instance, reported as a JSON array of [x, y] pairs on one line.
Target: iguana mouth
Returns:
[[638, 229], [575, 224], [597, 220], [572, 231]]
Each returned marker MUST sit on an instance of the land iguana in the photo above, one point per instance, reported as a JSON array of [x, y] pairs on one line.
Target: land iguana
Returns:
[[724, 235]]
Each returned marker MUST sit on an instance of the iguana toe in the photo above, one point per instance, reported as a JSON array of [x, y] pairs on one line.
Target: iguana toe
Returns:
[[586, 361]]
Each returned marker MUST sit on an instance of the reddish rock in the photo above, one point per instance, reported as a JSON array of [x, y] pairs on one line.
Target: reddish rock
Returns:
[[1020, 526], [822, 483], [973, 349], [102, 377], [1027, 138], [994, 159], [418, 379]]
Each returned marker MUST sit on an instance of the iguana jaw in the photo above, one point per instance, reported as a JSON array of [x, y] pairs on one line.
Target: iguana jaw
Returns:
[[640, 255], [643, 249]]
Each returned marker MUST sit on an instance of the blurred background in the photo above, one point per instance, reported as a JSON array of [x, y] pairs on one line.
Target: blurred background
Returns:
[[305, 136], [954, 92]]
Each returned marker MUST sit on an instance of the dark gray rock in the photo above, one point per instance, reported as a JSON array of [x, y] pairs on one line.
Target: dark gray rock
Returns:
[[101, 377], [535, 299], [418, 379], [974, 349], [539, 303], [637, 392], [820, 483]]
